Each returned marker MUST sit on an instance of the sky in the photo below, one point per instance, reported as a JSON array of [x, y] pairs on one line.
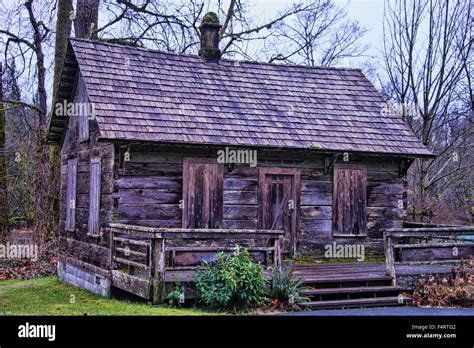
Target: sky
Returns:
[[368, 12]]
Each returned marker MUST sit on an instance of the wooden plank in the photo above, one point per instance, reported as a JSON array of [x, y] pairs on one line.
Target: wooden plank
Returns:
[[351, 290], [130, 262], [170, 212], [71, 194], [130, 252], [360, 302], [433, 245], [194, 258], [158, 281], [132, 284], [389, 257], [171, 184], [455, 229], [139, 197], [122, 227], [216, 248], [83, 99], [131, 241]]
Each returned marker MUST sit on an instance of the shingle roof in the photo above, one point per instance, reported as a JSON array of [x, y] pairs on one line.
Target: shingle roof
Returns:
[[147, 95]]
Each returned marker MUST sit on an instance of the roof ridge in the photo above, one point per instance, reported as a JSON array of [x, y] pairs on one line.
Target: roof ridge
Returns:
[[240, 61]]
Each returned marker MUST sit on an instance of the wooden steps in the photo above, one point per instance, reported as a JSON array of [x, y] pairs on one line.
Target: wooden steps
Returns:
[[348, 285], [345, 279], [357, 290], [355, 303]]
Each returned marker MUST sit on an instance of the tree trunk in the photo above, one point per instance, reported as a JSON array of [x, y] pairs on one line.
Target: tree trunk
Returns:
[[87, 16], [4, 225], [63, 32]]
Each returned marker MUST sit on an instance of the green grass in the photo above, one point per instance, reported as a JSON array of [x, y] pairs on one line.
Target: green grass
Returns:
[[47, 296]]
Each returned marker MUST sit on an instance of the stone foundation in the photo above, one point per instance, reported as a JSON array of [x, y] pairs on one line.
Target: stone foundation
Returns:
[[84, 279]]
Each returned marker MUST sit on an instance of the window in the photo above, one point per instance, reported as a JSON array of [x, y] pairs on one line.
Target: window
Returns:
[[71, 194], [94, 198], [350, 200], [202, 193]]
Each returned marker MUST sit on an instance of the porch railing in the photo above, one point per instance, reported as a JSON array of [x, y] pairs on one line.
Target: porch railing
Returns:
[[445, 245], [151, 252]]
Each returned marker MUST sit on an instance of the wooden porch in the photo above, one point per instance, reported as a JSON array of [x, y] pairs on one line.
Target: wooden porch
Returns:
[[148, 262], [144, 260]]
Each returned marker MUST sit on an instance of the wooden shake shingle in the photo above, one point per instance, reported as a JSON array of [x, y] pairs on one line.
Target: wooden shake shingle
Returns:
[[146, 95]]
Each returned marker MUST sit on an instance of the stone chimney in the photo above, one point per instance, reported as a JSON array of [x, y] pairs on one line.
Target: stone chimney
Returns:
[[210, 37]]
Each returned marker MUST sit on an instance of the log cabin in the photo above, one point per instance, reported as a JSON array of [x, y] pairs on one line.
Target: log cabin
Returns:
[[206, 153]]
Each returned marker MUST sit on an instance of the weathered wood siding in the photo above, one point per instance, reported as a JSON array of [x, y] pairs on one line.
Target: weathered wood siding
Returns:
[[79, 244], [148, 190]]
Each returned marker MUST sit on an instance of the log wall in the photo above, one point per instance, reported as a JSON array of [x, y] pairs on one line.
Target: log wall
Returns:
[[78, 244], [147, 191]]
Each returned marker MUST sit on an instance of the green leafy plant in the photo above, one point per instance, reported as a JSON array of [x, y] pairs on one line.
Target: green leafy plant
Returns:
[[233, 280], [285, 289], [175, 297]]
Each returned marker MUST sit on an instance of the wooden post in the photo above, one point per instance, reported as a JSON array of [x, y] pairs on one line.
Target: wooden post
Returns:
[[112, 246], [277, 253], [389, 256], [158, 252], [151, 267]]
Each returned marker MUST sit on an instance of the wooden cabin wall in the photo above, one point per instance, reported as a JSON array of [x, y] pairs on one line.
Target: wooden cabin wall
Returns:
[[78, 245], [148, 189]]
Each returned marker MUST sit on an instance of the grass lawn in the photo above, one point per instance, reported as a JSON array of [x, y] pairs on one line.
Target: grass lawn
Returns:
[[47, 296]]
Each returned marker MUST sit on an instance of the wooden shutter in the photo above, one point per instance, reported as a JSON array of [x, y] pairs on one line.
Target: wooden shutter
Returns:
[[71, 194], [350, 200], [82, 98], [94, 198], [202, 193]]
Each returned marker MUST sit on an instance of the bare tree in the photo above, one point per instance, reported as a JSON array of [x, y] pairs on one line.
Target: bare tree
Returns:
[[24, 37], [428, 60], [322, 35], [4, 211], [174, 25], [63, 31]]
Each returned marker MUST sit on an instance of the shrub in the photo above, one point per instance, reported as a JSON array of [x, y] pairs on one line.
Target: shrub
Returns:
[[175, 297], [457, 290], [285, 289], [233, 280]]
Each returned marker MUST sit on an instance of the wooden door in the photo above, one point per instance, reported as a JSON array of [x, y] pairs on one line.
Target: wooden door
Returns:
[[202, 193], [350, 200], [279, 201]]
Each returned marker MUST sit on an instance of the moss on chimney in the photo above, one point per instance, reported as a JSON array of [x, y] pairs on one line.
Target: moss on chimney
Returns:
[[210, 18]]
